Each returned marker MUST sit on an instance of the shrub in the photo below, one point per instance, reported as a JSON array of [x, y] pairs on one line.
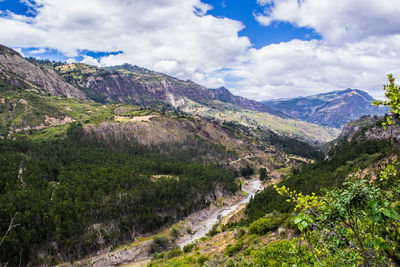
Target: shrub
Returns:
[[159, 244], [231, 250], [174, 253], [188, 247], [267, 224], [202, 259], [174, 233], [213, 230]]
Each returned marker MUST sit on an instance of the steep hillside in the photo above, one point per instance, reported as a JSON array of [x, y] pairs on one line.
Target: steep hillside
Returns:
[[17, 71], [332, 109], [134, 85], [293, 128]]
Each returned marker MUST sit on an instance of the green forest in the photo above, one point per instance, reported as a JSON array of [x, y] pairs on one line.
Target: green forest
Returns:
[[56, 189]]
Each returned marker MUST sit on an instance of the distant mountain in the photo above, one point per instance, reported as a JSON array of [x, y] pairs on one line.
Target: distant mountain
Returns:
[[136, 85], [224, 95], [17, 71], [333, 109], [129, 84]]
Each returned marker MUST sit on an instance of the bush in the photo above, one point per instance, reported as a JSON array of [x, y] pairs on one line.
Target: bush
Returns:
[[174, 233], [267, 224], [231, 250], [174, 253], [159, 244], [188, 247], [213, 230], [202, 259]]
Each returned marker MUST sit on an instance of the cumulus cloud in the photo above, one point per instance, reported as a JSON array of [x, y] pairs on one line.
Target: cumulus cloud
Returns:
[[166, 66], [299, 68], [38, 51], [360, 42], [337, 21], [71, 60], [19, 50], [151, 33], [90, 61]]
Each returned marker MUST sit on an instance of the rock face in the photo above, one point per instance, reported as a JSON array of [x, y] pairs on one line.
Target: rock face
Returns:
[[353, 127], [19, 72], [332, 109]]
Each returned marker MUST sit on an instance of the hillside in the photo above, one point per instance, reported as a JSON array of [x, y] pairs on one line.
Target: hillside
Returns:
[[333, 109], [134, 85], [18, 72], [270, 231], [140, 86]]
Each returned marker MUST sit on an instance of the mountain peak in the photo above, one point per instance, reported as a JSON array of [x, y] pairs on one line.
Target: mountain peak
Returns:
[[16, 70]]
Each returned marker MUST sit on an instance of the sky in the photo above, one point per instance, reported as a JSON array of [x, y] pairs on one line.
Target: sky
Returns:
[[260, 49]]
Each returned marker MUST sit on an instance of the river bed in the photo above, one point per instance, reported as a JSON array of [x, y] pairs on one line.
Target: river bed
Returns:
[[205, 225]]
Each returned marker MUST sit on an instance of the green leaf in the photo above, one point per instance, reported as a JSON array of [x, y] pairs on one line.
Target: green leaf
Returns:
[[297, 220], [391, 213]]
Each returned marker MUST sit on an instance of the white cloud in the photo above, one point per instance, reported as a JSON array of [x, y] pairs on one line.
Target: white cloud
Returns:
[[71, 60], [90, 61], [309, 67], [150, 33], [337, 21], [19, 50], [166, 66], [38, 51], [360, 42]]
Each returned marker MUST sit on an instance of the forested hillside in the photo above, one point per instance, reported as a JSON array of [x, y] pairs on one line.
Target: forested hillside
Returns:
[[86, 196], [342, 210]]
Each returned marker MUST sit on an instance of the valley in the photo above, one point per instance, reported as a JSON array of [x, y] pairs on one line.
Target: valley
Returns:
[[103, 166]]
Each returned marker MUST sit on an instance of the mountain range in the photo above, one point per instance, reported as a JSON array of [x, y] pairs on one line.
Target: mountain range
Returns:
[[138, 86], [333, 109]]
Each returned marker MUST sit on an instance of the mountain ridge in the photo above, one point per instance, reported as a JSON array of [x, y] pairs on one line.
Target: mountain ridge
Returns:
[[333, 109], [16, 70]]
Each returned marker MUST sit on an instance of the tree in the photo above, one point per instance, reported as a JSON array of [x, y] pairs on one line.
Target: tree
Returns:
[[263, 174], [392, 93], [246, 171]]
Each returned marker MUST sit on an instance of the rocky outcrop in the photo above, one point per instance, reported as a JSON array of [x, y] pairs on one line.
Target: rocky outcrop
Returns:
[[391, 133], [17, 71], [352, 128]]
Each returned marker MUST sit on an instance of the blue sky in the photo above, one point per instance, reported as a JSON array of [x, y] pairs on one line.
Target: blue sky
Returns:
[[259, 49], [242, 11], [259, 35]]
